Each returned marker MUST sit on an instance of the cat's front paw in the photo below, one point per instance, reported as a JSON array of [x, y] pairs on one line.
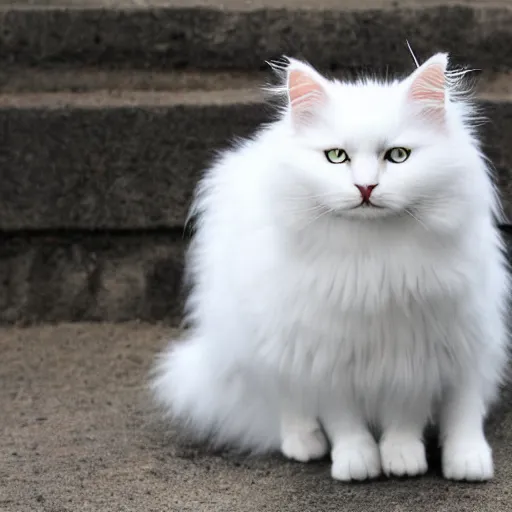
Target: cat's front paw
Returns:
[[359, 460], [468, 460], [304, 445], [403, 456]]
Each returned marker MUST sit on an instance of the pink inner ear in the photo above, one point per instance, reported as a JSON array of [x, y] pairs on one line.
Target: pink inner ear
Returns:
[[302, 89], [429, 85]]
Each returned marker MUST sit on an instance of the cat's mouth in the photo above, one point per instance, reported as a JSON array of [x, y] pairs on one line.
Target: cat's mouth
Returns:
[[367, 204], [366, 211], [368, 208]]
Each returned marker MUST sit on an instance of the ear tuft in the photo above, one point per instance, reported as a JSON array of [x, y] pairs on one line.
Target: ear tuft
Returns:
[[427, 85], [302, 88], [306, 89]]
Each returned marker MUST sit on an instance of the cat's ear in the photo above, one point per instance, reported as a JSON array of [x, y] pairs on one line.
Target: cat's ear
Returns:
[[306, 90], [426, 87]]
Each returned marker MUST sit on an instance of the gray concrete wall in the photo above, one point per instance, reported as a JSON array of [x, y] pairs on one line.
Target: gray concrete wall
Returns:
[[109, 111]]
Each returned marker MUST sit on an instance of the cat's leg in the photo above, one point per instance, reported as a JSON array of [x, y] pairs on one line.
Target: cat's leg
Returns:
[[302, 437], [466, 453], [355, 454], [401, 445]]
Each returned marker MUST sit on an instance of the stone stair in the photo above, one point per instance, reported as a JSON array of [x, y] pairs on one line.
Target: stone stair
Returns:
[[109, 110]]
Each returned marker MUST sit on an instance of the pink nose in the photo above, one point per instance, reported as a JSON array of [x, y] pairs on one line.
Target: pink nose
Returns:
[[366, 192]]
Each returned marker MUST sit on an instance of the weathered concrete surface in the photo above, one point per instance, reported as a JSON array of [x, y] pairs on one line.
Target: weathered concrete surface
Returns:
[[103, 168], [91, 277], [22, 80], [247, 5], [240, 34], [78, 434], [120, 160], [112, 277]]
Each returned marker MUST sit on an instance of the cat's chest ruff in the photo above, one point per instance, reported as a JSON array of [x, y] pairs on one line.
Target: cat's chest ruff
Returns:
[[369, 283]]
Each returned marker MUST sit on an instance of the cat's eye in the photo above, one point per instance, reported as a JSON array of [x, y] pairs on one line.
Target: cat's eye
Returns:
[[397, 155], [337, 156]]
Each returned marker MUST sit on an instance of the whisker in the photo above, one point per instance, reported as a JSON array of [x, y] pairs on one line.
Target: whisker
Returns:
[[416, 219], [318, 217], [307, 197], [310, 209]]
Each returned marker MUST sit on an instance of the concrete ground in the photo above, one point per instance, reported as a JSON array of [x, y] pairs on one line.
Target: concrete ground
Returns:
[[79, 434]]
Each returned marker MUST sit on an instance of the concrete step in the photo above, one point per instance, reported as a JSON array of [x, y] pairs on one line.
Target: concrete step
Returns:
[[110, 109], [78, 434], [123, 150], [80, 276], [242, 34]]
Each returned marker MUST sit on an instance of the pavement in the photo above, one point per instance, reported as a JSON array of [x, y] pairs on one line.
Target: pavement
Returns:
[[79, 433]]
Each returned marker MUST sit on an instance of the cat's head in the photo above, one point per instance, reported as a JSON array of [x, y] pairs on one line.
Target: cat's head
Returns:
[[373, 149]]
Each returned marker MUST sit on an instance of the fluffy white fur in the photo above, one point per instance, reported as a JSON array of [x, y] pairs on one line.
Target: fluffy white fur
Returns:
[[319, 323]]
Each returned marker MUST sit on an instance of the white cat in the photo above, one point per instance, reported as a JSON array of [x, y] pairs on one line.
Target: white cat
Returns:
[[348, 282]]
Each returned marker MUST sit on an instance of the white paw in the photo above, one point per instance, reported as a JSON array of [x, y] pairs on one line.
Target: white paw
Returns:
[[403, 456], [471, 460], [304, 445], [358, 460]]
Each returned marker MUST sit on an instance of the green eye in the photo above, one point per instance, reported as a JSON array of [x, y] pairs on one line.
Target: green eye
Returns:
[[397, 155], [337, 156]]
